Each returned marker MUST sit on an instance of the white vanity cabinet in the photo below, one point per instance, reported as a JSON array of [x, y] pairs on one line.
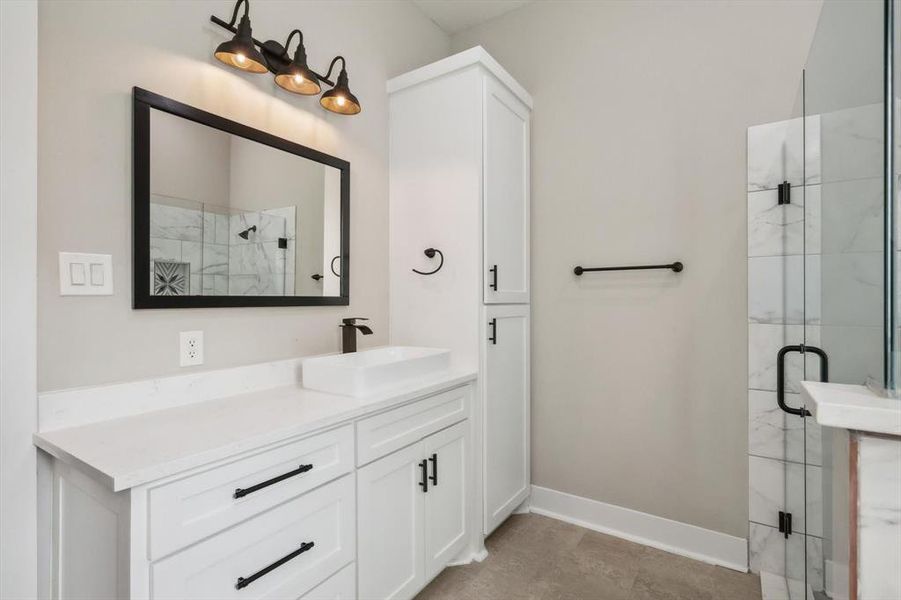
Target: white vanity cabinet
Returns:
[[373, 503], [459, 183], [412, 514]]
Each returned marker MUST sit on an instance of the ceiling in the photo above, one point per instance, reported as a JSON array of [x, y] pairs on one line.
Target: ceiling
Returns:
[[453, 16]]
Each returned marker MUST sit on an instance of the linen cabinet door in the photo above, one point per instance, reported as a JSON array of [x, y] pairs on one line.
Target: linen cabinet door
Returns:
[[505, 412], [506, 196], [447, 453], [390, 500]]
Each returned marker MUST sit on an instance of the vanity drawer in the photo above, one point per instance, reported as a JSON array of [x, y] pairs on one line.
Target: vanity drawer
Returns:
[[340, 586], [268, 554], [190, 509], [394, 429]]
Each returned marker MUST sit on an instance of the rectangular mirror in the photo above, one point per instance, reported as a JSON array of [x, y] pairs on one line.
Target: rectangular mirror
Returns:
[[227, 215]]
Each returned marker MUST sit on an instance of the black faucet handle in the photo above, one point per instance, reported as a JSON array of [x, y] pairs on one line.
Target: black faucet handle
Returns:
[[353, 320]]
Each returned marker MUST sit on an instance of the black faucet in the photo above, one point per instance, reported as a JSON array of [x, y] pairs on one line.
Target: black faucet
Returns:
[[349, 333]]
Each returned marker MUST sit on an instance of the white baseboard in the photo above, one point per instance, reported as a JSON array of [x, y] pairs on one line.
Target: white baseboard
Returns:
[[523, 509], [672, 536]]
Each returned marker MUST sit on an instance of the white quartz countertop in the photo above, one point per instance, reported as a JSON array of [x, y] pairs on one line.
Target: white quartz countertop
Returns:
[[852, 407], [133, 450]]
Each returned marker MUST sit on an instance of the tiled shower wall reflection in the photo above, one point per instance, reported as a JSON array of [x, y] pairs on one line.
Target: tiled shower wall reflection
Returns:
[[220, 261], [257, 266], [778, 314]]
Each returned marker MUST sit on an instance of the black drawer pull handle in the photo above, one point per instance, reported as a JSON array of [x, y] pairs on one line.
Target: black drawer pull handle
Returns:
[[434, 476], [243, 582], [241, 492], [493, 284], [424, 480], [493, 337]]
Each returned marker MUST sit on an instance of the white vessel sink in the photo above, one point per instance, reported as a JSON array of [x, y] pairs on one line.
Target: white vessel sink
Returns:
[[372, 371]]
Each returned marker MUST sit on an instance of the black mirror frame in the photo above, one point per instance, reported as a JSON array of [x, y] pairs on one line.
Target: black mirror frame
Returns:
[[142, 102]]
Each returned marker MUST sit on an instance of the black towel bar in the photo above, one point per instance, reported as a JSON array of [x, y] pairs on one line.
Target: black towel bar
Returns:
[[676, 267]]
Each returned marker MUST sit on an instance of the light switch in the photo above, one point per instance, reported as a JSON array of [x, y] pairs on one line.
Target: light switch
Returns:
[[76, 273], [85, 274], [96, 274]]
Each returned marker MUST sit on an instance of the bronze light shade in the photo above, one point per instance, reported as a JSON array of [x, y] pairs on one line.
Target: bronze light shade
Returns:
[[239, 52], [339, 99], [297, 77]]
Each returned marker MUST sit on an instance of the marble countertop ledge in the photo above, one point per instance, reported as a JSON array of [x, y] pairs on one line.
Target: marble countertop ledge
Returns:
[[852, 407], [134, 450]]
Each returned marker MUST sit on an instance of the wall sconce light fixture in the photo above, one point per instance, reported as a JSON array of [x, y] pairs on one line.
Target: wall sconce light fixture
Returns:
[[291, 74], [297, 77], [239, 52], [339, 99]]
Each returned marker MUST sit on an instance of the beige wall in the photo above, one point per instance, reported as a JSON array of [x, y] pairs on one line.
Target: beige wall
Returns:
[[90, 56], [638, 155], [176, 143]]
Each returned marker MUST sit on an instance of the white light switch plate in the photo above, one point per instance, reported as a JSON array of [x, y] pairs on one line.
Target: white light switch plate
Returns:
[[85, 274]]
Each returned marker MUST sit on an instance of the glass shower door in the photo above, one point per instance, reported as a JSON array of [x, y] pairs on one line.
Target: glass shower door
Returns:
[[844, 262]]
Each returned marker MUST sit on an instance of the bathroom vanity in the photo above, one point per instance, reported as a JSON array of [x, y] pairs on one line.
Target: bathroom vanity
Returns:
[[271, 491], [381, 467]]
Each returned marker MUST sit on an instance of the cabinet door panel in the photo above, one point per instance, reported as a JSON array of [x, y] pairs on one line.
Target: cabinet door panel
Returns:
[[506, 413], [445, 502], [390, 556], [506, 196]]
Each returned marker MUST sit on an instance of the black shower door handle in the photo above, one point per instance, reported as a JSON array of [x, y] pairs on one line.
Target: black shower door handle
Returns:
[[780, 374]]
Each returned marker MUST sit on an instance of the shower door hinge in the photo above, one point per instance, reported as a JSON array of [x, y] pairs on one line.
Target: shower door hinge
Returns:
[[785, 193], [785, 523]]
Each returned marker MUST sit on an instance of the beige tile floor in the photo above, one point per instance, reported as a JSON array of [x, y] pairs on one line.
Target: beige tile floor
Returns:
[[537, 558]]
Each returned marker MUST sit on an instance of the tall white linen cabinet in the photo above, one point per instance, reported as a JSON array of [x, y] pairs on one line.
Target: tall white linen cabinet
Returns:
[[459, 184]]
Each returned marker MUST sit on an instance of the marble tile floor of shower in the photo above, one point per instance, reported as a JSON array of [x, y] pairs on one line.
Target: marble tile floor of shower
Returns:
[[537, 558], [776, 587]]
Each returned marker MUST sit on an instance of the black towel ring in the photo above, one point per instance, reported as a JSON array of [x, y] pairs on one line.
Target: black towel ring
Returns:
[[333, 266], [430, 252]]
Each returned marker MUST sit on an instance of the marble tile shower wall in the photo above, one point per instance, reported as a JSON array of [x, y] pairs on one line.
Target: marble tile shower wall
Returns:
[[780, 313], [221, 262], [185, 235], [257, 266], [852, 243], [814, 276]]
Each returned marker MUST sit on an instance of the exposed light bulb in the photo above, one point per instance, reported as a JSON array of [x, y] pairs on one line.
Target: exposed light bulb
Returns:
[[298, 78], [341, 101], [240, 58]]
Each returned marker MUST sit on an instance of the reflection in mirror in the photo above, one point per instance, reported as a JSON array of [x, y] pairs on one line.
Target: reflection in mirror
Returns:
[[233, 217]]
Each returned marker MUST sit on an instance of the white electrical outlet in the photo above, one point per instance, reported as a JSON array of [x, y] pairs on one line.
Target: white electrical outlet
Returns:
[[191, 348]]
